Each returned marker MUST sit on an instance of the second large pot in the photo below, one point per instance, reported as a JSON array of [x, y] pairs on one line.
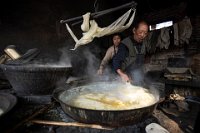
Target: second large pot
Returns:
[[35, 79]]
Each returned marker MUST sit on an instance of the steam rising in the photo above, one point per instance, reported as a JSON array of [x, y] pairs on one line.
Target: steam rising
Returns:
[[64, 58], [1, 111], [138, 76], [85, 63], [109, 96], [92, 63]]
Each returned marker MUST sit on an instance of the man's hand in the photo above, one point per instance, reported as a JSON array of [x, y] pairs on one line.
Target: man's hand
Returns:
[[100, 72], [125, 78], [123, 75]]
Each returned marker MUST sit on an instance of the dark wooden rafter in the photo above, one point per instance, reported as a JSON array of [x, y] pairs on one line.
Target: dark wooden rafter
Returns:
[[174, 13]]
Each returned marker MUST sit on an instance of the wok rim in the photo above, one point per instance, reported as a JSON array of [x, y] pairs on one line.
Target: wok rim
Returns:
[[12, 99], [34, 67], [57, 94]]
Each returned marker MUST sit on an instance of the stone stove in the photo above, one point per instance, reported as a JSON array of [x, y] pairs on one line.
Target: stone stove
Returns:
[[21, 114], [29, 109]]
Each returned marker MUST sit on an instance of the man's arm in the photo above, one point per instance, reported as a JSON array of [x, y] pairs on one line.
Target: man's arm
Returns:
[[119, 59], [123, 75]]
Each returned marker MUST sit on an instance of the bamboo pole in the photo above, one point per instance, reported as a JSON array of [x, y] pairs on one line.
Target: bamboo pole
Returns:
[[100, 13], [75, 124]]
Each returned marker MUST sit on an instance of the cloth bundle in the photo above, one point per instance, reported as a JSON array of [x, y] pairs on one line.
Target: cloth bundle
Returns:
[[91, 29]]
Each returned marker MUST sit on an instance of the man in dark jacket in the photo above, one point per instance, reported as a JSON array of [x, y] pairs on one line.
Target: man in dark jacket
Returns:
[[131, 52]]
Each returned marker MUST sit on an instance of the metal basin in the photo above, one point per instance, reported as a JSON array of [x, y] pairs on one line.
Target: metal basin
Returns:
[[104, 117], [35, 79]]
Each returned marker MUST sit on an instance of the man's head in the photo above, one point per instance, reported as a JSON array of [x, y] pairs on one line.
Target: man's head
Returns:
[[140, 31]]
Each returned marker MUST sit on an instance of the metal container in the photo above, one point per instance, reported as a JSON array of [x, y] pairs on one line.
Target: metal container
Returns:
[[104, 117], [35, 79]]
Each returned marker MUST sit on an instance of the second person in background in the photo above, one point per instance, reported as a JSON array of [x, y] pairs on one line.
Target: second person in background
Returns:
[[112, 50]]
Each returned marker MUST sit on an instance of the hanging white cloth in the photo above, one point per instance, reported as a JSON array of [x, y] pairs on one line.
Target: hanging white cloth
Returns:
[[185, 30], [163, 39], [85, 25], [94, 31]]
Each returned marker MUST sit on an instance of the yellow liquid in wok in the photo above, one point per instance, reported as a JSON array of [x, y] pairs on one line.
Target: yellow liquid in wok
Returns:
[[110, 97]]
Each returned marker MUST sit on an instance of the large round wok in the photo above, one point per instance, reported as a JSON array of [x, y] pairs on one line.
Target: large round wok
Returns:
[[104, 117]]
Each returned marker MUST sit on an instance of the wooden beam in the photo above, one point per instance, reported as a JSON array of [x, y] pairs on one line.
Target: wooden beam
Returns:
[[175, 13]]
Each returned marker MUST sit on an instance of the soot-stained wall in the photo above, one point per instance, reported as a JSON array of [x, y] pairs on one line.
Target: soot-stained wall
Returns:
[[36, 24], [29, 24]]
